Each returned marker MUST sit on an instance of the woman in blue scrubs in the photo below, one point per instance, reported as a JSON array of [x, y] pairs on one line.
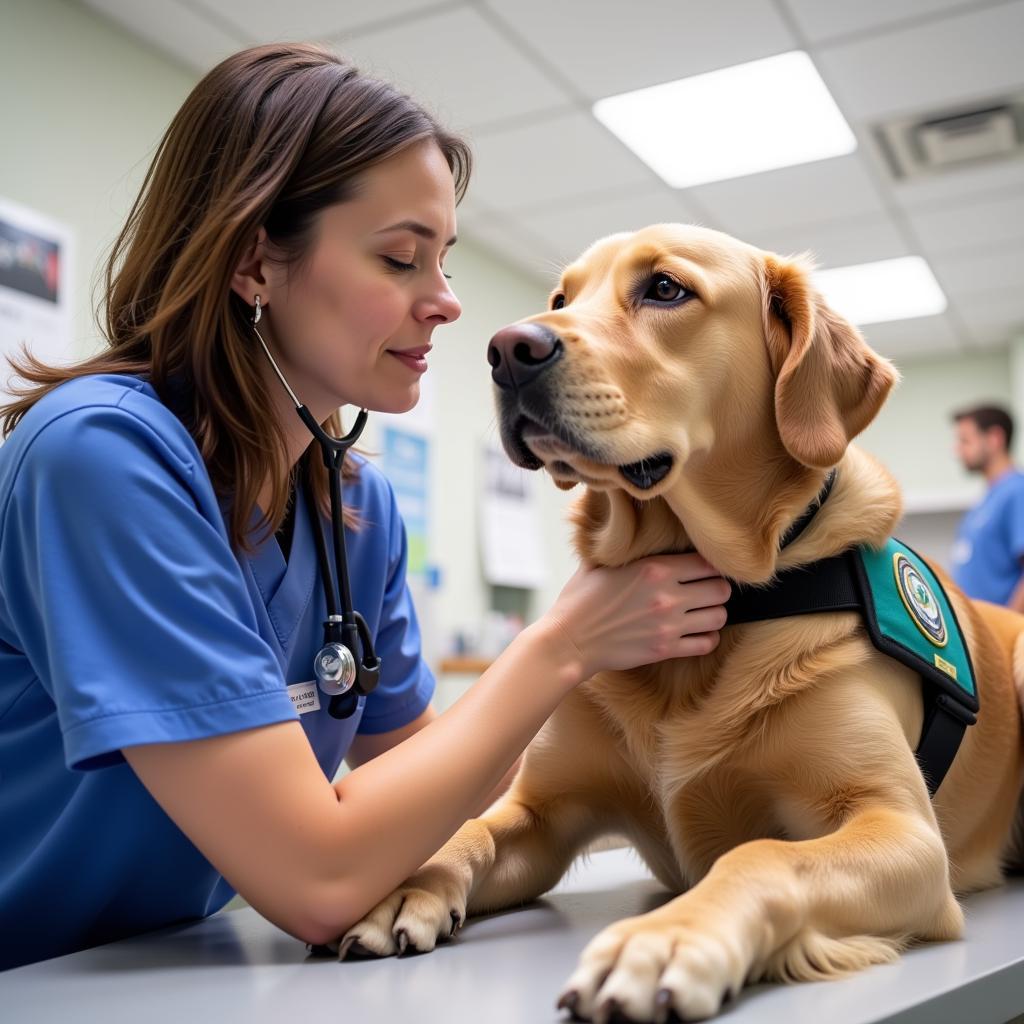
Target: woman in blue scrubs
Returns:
[[160, 599]]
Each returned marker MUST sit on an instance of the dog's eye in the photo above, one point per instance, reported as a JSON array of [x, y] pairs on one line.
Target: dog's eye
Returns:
[[558, 302], [662, 288]]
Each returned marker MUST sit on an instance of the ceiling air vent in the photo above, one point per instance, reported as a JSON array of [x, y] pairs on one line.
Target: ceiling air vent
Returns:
[[918, 146]]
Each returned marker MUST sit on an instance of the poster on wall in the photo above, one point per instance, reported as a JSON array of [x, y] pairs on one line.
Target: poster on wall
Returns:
[[405, 462], [35, 287], [510, 534]]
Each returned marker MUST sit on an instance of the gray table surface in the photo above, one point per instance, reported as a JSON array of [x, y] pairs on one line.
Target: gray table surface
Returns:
[[504, 969]]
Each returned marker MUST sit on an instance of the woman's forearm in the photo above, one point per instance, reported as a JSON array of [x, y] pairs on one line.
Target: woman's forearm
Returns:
[[399, 808]]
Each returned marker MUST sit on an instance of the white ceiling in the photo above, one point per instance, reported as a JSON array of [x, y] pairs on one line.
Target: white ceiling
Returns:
[[518, 77]]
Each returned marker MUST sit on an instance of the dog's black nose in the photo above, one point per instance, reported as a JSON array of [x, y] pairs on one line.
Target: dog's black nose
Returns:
[[519, 353]]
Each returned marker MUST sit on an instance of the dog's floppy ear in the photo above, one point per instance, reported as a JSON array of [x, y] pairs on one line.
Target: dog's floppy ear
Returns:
[[829, 385]]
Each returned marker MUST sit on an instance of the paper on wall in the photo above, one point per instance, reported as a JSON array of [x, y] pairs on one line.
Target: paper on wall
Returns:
[[510, 534], [35, 287]]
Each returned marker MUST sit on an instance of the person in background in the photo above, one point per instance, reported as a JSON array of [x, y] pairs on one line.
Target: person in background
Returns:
[[988, 555]]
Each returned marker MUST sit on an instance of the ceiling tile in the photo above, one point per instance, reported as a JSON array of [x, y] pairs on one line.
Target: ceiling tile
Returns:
[[924, 336], [605, 46], [269, 20], [174, 29], [819, 191], [555, 158], [569, 229], [837, 243], [993, 318], [485, 58], [993, 220], [820, 20], [982, 270], [942, 64]]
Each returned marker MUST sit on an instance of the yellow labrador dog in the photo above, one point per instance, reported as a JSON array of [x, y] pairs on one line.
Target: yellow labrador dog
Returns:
[[702, 392]]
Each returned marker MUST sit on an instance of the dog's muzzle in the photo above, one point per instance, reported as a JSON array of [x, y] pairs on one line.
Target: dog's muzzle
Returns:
[[521, 356]]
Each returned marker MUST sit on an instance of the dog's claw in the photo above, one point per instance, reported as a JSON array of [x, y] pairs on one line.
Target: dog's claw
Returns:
[[456, 921], [402, 938], [356, 950], [608, 1012], [662, 1005], [322, 948], [569, 1001]]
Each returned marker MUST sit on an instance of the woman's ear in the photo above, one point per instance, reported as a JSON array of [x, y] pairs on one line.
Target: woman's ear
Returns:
[[249, 279], [829, 384]]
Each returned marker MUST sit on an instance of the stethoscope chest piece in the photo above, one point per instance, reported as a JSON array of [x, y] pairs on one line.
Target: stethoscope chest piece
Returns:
[[335, 669]]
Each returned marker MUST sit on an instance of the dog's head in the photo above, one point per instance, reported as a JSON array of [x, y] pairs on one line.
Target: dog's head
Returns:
[[666, 347]]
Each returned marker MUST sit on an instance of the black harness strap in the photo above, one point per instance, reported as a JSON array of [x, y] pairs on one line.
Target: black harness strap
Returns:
[[839, 584], [825, 586]]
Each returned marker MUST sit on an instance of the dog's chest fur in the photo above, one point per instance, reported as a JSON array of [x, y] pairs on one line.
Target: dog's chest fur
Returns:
[[647, 705], [691, 731]]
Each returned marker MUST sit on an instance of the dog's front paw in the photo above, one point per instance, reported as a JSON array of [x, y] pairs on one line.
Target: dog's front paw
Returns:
[[645, 968], [430, 906]]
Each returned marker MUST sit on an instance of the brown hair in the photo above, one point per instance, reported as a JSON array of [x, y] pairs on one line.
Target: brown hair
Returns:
[[269, 137], [985, 417]]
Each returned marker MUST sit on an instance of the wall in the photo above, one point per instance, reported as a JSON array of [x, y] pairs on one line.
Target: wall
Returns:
[[913, 434], [84, 107]]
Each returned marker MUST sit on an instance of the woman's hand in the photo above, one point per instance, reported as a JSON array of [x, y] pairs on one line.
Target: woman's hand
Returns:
[[664, 606]]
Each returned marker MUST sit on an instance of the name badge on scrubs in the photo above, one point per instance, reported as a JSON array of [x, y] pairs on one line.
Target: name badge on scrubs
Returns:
[[305, 697]]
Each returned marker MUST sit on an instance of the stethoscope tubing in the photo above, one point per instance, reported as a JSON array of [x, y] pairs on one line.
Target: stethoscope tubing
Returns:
[[344, 626]]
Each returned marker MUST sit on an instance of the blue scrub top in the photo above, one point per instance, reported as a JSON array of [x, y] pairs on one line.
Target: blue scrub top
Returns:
[[126, 618], [988, 554]]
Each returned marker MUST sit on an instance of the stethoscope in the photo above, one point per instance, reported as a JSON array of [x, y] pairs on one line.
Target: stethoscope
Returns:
[[339, 673]]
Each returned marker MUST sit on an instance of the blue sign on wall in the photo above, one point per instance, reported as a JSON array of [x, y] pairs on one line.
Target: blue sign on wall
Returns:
[[404, 463]]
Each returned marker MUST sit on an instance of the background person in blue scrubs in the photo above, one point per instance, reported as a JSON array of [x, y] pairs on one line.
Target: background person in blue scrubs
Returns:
[[160, 604], [988, 555]]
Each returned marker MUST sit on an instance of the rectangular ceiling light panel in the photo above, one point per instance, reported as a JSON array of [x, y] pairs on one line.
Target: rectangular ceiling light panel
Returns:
[[872, 293], [749, 118]]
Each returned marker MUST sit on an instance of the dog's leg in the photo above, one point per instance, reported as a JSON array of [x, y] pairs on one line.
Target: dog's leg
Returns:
[[510, 856], [769, 908]]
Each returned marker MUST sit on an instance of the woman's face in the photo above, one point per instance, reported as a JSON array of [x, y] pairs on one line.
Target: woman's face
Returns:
[[351, 324]]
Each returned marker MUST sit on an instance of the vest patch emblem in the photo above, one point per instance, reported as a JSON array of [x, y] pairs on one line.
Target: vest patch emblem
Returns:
[[919, 600]]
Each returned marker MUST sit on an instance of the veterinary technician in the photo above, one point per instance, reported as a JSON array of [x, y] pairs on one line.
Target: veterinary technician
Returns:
[[169, 572], [988, 555]]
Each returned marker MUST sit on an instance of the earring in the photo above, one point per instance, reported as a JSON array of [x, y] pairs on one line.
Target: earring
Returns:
[[258, 313]]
